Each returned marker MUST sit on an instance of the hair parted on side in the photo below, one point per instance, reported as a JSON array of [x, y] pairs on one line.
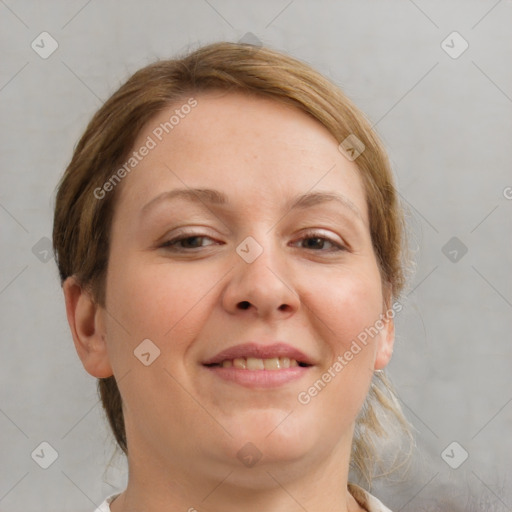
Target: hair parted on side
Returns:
[[82, 222]]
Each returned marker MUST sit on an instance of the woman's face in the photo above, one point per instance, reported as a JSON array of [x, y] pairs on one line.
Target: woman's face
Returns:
[[260, 275]]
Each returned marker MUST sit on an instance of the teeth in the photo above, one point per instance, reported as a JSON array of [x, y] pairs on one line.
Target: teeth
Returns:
[[254, 363], [272, 364]]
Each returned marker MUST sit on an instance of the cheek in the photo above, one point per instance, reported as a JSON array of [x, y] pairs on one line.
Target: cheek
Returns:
[[158, 302], [336, 393], [346, 304]]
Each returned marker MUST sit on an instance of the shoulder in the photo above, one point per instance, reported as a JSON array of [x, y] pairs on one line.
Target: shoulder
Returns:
[[366, 500], [105, 506]]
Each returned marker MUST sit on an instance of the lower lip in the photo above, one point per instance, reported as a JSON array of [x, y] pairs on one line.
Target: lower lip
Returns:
[[259, 378]]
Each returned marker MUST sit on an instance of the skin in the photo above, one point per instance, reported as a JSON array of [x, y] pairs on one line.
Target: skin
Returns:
[[184, 425]]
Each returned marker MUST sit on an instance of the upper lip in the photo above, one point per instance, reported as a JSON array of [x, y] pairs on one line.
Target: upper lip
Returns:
[[259, 351]]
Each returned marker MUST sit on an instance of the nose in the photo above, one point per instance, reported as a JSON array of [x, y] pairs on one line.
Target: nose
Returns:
[[262, 288]]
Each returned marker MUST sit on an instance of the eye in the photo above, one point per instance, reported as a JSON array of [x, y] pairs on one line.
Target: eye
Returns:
[[316, 241], [188, 242], [319, 241]]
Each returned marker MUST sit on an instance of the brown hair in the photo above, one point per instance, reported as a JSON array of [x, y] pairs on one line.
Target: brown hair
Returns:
[[82, 222]]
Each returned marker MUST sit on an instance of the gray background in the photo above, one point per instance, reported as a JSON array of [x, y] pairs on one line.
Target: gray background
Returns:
[[447, 124]]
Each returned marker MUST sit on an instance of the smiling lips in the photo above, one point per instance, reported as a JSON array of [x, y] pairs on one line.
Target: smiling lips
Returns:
[[254, 365], [253, 356]]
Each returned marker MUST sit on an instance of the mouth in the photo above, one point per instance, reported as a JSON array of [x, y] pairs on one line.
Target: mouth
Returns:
[[259, 366], [255, 364]]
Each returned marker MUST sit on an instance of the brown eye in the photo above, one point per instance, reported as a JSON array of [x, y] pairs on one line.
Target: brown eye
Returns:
[[186, 242], [317, 242]]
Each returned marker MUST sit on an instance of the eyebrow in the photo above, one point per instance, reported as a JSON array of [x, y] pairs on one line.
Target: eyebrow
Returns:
[[215, 197]]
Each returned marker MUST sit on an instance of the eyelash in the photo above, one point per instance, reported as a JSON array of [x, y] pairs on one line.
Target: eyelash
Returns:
[[308, 236]]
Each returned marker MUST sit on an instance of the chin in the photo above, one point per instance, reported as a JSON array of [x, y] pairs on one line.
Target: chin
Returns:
[[275, 435]]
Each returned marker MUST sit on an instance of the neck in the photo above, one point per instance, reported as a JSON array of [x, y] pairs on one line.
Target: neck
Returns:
[[155, 484]]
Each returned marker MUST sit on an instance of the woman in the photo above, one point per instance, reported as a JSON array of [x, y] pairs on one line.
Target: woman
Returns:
[[240, 365]]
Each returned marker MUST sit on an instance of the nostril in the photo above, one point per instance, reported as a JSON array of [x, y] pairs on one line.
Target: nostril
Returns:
[[244, 304]]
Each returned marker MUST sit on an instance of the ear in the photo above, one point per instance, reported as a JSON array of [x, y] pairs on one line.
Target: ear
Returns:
[[387, 334], [86, 321]]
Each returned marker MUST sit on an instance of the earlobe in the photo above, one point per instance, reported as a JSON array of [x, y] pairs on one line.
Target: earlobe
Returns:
[[387, 335], [385, 345], [86, 321]]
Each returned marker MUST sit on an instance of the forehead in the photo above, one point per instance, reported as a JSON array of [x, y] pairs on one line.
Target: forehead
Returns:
[[255, 149]]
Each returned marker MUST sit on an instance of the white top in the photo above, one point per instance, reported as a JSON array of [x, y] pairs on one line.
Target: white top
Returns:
[[364, 498]]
